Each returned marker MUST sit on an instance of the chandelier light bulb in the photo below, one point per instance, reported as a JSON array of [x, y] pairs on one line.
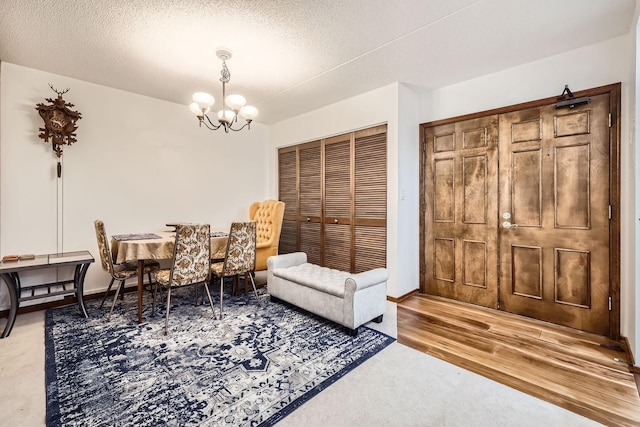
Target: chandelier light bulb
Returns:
[[195, 109], [249, 112], [235, 102], [203, 99], [226, 116]]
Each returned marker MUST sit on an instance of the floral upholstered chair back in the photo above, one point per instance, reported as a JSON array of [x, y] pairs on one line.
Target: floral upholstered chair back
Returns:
[[103, 247], [241, 249], [191, 255]]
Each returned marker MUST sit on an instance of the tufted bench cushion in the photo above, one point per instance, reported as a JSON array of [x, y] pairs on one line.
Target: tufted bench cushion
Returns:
[[345, 298], [323, 279]]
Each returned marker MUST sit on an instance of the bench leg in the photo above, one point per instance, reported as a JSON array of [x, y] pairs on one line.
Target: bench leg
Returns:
[[378, 319], [352, 332]]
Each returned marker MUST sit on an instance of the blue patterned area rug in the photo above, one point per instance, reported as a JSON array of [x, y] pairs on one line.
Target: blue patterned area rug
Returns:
[[252, 368]]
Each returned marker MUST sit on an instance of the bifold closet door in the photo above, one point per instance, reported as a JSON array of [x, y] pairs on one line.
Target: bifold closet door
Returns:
[[335, 191], [310, 196], [338, 189], [288, 193], [370, 198]]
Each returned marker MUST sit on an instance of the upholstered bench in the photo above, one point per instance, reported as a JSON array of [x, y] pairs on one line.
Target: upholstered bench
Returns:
[[347, 299]]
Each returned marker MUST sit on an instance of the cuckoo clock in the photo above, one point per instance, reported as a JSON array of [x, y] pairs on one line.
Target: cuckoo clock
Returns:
[[59, 123]]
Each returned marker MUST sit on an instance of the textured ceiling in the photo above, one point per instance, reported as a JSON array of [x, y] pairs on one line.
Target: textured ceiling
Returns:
[[290, 56]]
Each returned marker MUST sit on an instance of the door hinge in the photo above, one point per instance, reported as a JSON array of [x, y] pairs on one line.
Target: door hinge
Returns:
[[609, 303], [610, 211], [609, 119]]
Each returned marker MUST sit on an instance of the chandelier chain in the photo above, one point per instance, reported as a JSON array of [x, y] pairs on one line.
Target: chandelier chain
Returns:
[[226, 75]]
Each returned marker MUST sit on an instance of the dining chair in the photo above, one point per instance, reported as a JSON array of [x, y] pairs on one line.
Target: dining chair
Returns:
[[240, 257], [119, 272], [191, 264]]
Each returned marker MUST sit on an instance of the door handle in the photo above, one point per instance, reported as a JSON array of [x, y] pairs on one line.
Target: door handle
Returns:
[[507, 225]]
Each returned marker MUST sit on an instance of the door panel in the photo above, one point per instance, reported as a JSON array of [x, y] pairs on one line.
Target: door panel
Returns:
[[288, 193], [461, 210], [337, 243], [310, 202], [370, 198], [310, 241], [370, 247], [337, 202], [554, 184]]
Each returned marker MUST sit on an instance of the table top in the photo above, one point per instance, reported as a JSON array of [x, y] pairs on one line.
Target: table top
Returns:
[[48, 260], [158, 248]]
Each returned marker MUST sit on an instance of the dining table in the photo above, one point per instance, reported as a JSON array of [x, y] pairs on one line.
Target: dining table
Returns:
[[140, 247]]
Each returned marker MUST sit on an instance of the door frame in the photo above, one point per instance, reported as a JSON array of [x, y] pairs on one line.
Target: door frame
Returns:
[[614, 91]]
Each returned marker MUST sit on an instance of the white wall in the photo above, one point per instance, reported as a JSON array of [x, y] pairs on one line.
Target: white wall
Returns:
[[384, 105], [634, 155], [139, 163], [600, 64], [408, 193]]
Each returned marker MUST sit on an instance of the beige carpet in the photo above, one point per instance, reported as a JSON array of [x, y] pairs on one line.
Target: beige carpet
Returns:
[[399, 386]]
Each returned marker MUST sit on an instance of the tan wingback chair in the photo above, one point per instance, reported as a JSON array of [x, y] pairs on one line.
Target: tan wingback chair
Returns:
[[268, 217]]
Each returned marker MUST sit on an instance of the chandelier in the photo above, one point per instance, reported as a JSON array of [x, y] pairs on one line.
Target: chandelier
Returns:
[[233, 105]]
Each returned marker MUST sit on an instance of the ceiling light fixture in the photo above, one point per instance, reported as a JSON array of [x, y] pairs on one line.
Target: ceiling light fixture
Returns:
[[232, 104]]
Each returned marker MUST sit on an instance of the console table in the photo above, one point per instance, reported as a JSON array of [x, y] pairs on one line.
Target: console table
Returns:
[[10, 273]]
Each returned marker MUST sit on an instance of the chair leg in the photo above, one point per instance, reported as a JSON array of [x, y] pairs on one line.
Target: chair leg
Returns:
[[234, 286], [221, 294], [206, 288], [153, 304], [166, 320], [107, 293], [255, 291], [115, 298]]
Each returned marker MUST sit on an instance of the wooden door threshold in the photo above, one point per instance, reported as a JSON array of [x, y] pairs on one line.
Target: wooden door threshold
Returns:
[[585, 373]]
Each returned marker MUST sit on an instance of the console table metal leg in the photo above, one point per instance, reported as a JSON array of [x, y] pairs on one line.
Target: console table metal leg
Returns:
[[13, 310], [78, 278]]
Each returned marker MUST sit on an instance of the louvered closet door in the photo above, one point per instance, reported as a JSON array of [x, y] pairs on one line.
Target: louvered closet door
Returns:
[[337, 203], [310, 194], [370, 196], [288, 193]]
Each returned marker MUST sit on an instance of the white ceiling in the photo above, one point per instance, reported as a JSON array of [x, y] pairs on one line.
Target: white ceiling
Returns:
[[293, 56]]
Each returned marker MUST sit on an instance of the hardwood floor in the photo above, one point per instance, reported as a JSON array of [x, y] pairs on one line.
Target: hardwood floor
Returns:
[[569, 368]]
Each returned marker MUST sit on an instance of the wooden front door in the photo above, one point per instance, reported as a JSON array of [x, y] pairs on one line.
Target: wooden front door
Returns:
[[554, 208], [517, 211], [461, 212]]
